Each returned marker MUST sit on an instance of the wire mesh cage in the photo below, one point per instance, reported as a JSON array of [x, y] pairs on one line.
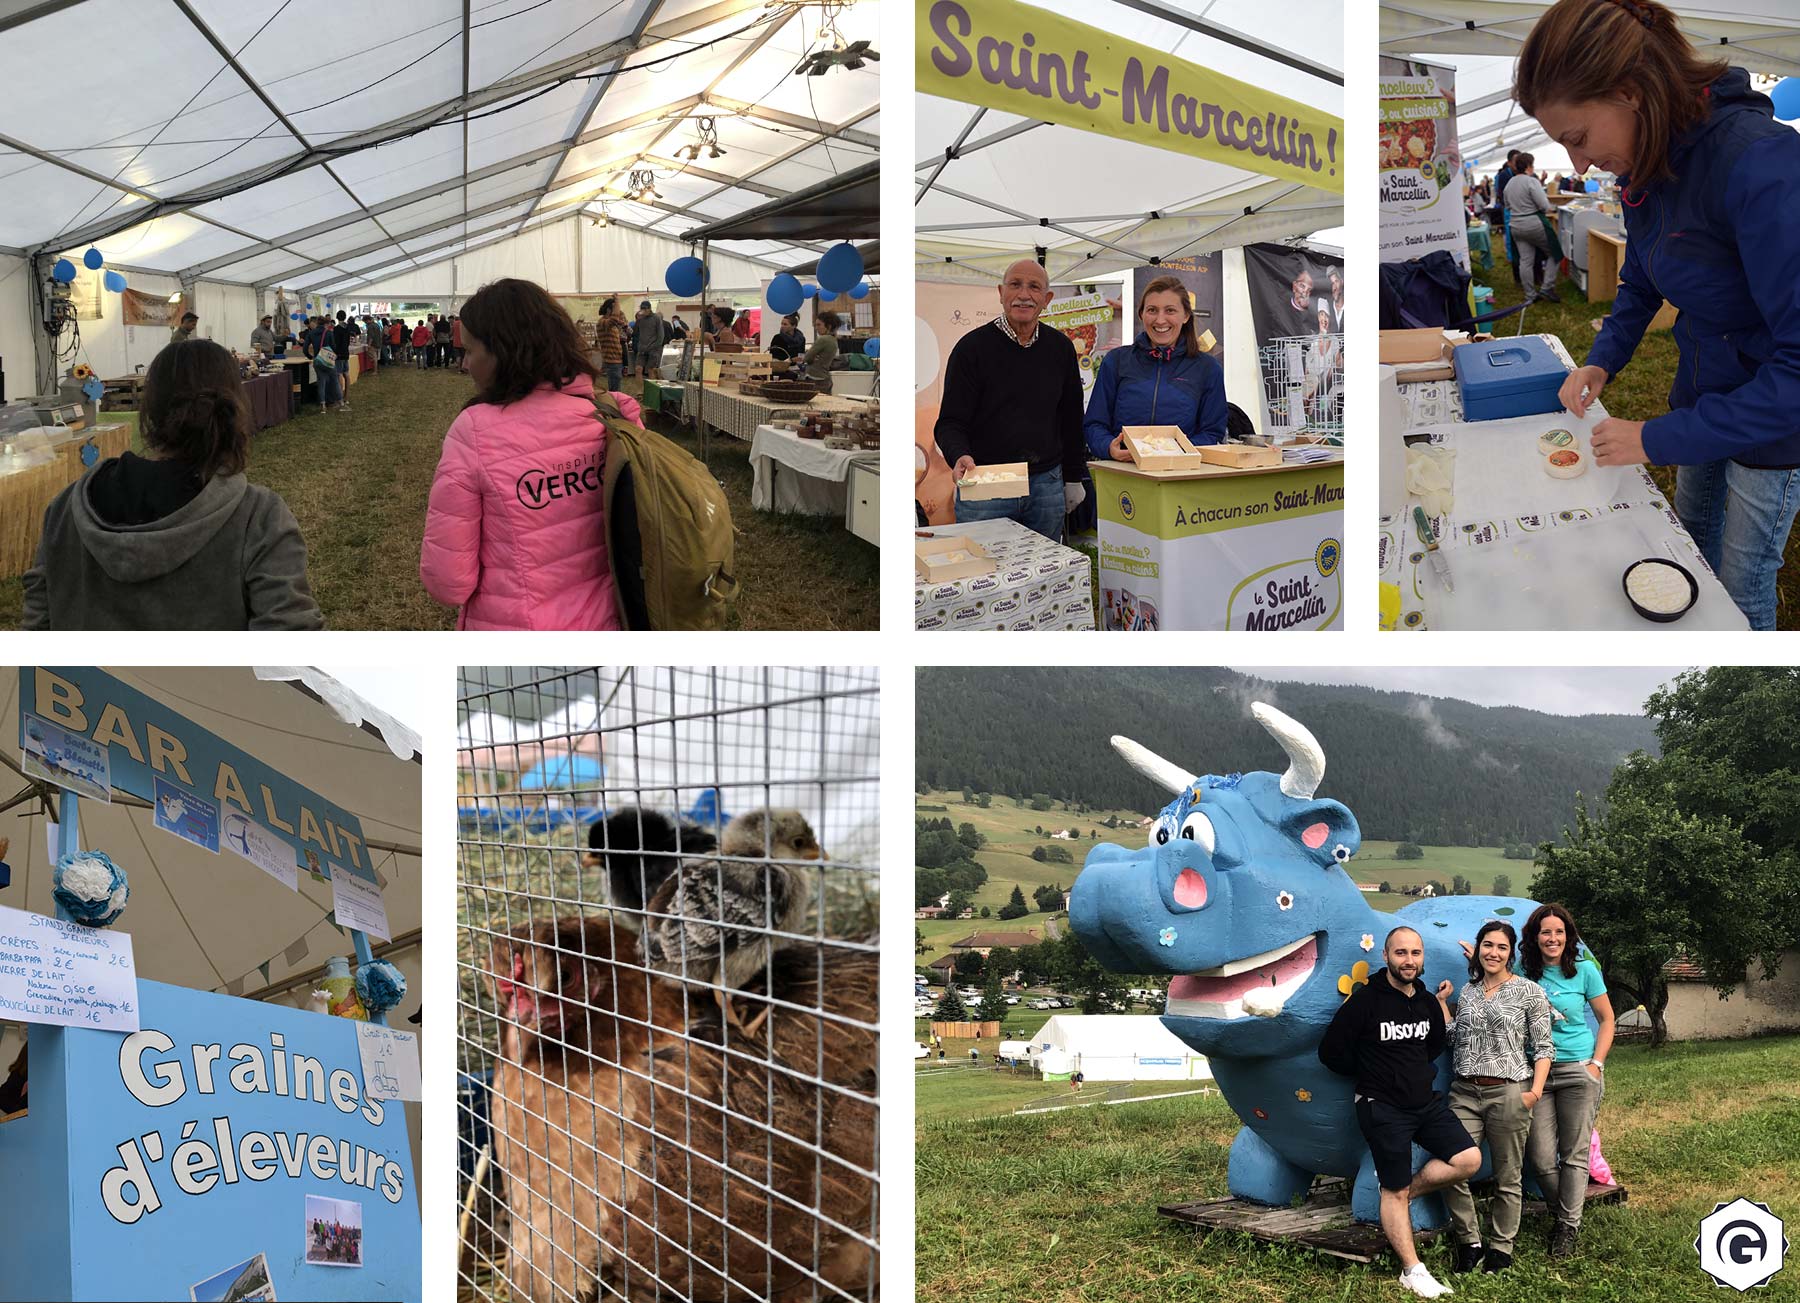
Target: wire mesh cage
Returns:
[[1303, 385], [667, 953]]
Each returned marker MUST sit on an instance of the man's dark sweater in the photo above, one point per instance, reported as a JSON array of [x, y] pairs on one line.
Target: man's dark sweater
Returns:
[[1004, 403], [1388, 1041]]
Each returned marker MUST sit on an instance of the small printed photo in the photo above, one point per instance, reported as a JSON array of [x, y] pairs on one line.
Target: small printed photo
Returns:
[[69, 760], [247, 1282], [334, 1232]]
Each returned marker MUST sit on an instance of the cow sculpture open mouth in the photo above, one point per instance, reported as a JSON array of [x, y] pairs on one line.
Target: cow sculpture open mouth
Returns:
[[1257, 986]]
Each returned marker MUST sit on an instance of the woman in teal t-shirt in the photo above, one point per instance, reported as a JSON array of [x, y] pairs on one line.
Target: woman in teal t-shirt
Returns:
[[1561, 1120]]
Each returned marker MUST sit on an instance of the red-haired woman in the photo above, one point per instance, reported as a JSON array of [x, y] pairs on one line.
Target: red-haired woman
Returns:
[[1163, 378], [1711, 183], [515, 533]]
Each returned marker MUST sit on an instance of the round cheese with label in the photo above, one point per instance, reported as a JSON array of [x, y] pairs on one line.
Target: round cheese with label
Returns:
[[1565, 463], [1554, 439], [1658, 589]]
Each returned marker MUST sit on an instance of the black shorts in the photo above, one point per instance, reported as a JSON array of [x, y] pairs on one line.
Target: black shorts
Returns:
[[1392, 1132]]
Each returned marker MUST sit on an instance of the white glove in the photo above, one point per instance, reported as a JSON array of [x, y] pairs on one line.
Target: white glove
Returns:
[[1073, 496]]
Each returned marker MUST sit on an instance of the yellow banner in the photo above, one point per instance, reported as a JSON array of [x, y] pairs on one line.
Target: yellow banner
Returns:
[[1008, 56]]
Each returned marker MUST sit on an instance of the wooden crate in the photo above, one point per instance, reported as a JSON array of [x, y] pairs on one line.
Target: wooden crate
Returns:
[[1016, 484], [932, 553], [735, 368], [1240, 455], [1147, 459]]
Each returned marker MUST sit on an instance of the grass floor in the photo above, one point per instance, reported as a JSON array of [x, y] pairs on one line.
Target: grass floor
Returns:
[[1638, 393], [358, 483], [1061, 1207]]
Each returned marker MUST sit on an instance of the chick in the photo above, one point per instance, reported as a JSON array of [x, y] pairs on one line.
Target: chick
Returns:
[[711, 920], [640, 849]]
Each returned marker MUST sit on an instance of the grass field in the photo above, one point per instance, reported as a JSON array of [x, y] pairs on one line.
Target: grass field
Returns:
[[1638, 393], [358, 483], [1061, 1207]]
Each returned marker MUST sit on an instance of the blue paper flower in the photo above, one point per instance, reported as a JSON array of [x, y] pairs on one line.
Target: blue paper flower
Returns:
[[1166, 937], [91, 888], [381, 985]]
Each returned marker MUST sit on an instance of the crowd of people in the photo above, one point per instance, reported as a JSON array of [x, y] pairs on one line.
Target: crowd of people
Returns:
[[332, 1241]]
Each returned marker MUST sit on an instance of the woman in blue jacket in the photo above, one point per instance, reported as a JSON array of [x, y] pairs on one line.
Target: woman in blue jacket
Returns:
[[1711, 189], [1164, 378]]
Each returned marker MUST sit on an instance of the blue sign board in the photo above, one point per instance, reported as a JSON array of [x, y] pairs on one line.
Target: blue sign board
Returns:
[[147, 741], [150, 1164]]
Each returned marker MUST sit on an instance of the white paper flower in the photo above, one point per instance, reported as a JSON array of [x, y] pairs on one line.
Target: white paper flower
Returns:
[[1341, 853], [1368, 941], [1285, 900]]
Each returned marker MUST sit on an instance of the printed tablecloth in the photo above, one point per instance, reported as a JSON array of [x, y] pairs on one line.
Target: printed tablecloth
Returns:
[[1036, 584]]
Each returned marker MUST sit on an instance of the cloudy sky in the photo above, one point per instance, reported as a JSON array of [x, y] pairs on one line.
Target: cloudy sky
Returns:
[[1583, 690], [404, 694]]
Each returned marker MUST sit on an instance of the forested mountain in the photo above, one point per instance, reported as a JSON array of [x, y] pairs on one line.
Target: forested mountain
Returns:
[[1425, 769]]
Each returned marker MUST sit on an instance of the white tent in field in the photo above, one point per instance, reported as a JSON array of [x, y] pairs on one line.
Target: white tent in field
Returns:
[[1115, 1047], [1480, 39], [991, 186], [231, 151]]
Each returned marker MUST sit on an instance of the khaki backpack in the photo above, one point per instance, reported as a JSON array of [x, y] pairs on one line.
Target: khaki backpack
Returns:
[[670, 542]]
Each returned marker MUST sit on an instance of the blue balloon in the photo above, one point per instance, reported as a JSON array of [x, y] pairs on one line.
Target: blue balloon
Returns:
[[872, 346], [64, 271], [785, 295], [685, 276], [1593, 185], [115, 282], [94, 259], [1786, 95], [810, 290], [860, 290], [840, 268]]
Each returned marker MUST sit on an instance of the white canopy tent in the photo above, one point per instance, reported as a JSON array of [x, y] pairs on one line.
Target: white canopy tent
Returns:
[[1481, 40], [208, 921], [226, 148], [993, 186], [1115, 1047]]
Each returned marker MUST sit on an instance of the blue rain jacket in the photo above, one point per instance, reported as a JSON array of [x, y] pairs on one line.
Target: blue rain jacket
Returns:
[[1721, 241], [1133, 388]]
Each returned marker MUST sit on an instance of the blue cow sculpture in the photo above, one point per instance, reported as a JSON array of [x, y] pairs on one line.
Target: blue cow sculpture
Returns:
[[1242, 895]]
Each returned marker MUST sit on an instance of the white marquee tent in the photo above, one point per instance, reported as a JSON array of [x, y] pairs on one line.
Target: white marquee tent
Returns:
[[1481, 40], [989, 181], [223, 149], [1115, 1047]]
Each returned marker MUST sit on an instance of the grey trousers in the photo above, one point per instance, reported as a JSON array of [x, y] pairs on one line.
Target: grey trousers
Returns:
[[1534, 253], [1498, 1115], [1558, 1146]]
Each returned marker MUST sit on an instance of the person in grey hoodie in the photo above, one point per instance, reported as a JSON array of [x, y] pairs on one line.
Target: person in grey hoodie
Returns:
[[178, 539]]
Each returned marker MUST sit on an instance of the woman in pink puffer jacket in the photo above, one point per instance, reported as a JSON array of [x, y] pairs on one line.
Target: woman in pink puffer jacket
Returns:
[[515, 534]]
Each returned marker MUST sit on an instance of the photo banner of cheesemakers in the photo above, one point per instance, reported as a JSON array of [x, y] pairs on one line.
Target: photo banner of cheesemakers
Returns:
[[1587, 376], [194, 1049], [1114, 426], [1156, 952]]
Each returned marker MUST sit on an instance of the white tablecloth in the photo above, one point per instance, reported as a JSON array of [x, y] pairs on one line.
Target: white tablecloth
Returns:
[[860, 383], [1038, 584], [1530, 552], [794, 474]]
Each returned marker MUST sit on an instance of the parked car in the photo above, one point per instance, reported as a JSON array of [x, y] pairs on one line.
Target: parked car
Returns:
[[1012, 999]]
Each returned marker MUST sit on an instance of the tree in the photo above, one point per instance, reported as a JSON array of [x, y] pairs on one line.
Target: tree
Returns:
[[986, 912], [959, 901], [1037, 853], [1459, 885], [969, 965], [918, 942], [993, 1001], [1040, 802], [1408, 851], [1648, 883], [1039, 830], [1002, 962], [1077, 972], [1502, 885], [1386, 888], [1015, 907], [983, 800], [950, 1006], [969, 837]]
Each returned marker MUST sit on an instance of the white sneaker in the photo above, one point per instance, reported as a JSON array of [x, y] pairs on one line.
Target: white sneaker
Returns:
[[1421, 1282]]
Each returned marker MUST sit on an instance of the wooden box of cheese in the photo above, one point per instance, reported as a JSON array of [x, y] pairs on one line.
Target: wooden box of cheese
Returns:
[[1241, 455], [1159, 447], [1003, 479], [943, 557]]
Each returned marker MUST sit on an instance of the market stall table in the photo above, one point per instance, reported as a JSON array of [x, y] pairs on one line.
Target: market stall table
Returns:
[[1036, 584], [730, 412], [1529, 552], [1218, 547], [802, 475], [1480, 246], [28, 484], [271, 399]]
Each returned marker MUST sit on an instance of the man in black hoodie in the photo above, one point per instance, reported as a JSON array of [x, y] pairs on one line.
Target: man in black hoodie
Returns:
[[1388, 1036]]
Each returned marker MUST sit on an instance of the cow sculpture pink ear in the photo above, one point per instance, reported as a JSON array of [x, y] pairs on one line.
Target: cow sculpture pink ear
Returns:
[[1325, 830]]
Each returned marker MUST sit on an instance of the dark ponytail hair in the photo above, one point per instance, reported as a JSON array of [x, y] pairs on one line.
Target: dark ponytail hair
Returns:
[[195, 410], [530, 336], [1582, 50]]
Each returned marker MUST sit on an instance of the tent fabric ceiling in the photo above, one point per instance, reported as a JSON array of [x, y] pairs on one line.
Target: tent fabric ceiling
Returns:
[[252, 144], [980, 211], [1480, 39], [207, 921]]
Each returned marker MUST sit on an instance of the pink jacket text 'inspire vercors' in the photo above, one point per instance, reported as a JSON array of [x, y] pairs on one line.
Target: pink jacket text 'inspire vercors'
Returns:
[[515, 534]]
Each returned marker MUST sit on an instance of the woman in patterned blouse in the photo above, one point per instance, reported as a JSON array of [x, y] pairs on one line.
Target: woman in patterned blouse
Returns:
[[1499, 1040]]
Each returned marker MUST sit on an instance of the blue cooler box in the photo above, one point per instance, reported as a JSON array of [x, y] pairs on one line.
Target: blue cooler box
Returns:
[[1508, 377]]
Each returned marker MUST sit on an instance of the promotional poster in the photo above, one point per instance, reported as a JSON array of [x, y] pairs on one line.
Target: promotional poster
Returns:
[[1297, 306]]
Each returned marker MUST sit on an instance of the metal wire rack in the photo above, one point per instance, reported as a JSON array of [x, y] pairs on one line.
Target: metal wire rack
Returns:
[[667, 1008], [1303, 385]]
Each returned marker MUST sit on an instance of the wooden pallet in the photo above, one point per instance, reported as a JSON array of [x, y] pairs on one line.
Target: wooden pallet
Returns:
[[735, 368], [1323, 1223]]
